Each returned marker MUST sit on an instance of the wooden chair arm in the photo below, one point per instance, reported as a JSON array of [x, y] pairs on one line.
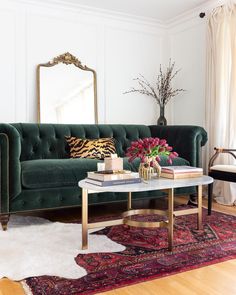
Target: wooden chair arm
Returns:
[[222, 150], [219, 151]]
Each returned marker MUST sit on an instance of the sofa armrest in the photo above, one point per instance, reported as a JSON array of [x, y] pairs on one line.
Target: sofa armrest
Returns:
[[185, 140], [10, 147]]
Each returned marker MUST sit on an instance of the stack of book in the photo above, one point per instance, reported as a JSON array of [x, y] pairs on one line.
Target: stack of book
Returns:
[[176, 172], [110, 177]]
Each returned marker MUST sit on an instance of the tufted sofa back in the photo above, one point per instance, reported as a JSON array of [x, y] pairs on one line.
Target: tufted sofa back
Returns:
[[47, 141]]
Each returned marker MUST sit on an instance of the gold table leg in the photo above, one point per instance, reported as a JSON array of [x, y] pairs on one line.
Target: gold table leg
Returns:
[[199, 223], [129, 205], [84, 219], [170, 218]]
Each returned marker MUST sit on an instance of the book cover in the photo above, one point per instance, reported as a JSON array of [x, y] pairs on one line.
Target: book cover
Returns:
[[181, 169], [181, 175], [113, 182], [112, 176]]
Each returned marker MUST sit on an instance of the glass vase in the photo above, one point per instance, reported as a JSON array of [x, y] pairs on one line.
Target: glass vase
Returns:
[[150, 168], [162, 120]]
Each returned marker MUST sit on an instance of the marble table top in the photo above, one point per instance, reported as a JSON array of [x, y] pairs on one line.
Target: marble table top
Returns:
[[149, 185]]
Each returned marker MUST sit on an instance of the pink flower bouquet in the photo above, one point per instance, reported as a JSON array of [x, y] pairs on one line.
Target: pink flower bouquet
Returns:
[[151, 147]]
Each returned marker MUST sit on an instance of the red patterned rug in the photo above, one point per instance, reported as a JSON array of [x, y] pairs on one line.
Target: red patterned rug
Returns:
[[146, 256]]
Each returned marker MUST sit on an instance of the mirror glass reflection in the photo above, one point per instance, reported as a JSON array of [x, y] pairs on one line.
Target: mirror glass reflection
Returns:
[[67, 94]]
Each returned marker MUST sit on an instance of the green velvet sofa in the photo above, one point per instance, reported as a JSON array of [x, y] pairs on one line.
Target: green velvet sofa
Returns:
[[37, 173]]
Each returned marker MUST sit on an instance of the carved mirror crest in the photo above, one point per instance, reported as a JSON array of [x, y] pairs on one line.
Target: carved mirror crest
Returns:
[[67, 91]]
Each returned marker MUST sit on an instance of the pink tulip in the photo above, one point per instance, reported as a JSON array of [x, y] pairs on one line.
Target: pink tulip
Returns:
[[169, 161], [158, 159], [162, 142], [169, 148]]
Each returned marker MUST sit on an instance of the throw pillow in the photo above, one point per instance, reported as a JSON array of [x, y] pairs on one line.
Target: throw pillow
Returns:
[[91, 148]]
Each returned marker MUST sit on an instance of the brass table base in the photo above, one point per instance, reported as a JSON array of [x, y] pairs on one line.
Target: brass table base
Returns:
[[127, 220], [126, 216]]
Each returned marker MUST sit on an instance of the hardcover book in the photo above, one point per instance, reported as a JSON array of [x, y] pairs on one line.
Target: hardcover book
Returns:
[[110, 175], [177, 172], [113, 182]]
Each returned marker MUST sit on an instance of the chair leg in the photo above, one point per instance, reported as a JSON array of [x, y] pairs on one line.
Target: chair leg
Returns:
[[210, 192], [4, 218]]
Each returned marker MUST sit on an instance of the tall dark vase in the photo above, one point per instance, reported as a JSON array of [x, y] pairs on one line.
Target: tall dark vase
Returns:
[[162, 120]]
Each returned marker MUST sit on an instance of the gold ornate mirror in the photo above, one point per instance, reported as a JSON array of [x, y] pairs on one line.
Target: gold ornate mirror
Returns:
[[67, 91]]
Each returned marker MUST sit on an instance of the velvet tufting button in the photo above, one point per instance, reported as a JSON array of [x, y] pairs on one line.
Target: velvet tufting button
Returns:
[[40, 200]]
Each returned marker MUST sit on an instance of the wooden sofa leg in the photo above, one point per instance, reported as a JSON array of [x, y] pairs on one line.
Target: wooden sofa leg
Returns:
[[210, 192], [4, 218]]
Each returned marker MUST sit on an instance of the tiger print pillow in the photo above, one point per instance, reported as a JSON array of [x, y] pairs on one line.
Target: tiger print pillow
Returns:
[[91, 148]]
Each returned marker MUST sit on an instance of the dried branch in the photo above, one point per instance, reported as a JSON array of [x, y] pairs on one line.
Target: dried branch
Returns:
[[162, 92]]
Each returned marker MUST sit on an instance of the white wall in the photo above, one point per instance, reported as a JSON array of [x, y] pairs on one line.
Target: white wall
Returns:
[[187, 43], [7, 77], [129, 53], [117, 48]]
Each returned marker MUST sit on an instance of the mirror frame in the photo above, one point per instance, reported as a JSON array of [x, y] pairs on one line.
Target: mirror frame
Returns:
[[68, 59]]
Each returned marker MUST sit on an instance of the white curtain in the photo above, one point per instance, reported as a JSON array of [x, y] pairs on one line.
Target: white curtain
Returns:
[[221, 92]]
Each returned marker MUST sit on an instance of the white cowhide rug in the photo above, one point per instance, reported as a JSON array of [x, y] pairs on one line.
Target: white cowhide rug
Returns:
[[34, 246]]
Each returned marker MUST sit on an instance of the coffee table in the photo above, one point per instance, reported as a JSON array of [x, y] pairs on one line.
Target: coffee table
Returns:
[[165, 184]]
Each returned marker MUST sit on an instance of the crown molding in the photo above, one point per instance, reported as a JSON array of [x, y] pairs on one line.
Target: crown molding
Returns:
[[193, 14], [96, 12], [189, 18]]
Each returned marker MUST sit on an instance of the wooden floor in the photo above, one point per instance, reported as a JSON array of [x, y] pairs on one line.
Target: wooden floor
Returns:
[[216, 279]]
